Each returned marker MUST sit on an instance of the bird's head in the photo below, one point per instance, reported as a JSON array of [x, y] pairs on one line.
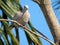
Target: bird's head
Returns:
[[26, 6]]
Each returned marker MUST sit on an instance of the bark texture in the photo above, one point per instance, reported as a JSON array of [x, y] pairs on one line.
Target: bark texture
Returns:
[[51, 19]]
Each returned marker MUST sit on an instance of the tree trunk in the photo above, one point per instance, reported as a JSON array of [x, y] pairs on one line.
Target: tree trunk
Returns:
[[51, 19]]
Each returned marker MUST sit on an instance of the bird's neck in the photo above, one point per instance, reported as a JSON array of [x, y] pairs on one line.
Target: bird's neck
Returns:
[[25, 11]]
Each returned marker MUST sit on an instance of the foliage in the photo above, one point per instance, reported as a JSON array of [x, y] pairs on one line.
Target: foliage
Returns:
[[9, 8]]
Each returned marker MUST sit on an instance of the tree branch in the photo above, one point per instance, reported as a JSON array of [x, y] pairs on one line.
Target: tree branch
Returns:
[[51, 19], [26, 29]]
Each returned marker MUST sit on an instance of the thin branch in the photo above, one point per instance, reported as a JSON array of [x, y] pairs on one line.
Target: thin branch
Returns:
[[26, 29]]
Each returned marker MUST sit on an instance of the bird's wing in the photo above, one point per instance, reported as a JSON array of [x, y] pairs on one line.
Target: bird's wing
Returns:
[[26, 16], [18, 14]]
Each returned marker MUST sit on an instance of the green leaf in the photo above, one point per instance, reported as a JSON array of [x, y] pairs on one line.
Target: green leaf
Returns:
[[15, 41], [17, 33], [31, 37], [1, 42], [9, 7], [2, 34], [6, 10]]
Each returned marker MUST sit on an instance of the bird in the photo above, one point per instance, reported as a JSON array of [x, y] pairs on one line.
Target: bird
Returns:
[[26, 14], [21, 17]]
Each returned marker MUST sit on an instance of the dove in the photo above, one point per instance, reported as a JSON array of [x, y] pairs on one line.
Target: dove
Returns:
[[22, 17]]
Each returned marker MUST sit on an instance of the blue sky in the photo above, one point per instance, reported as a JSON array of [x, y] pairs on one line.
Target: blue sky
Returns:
[[38, 20]]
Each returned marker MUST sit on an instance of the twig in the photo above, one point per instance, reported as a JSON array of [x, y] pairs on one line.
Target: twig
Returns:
[[26, 29]]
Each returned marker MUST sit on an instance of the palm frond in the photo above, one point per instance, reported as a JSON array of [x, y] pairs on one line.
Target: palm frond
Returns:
[[10, 7]]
